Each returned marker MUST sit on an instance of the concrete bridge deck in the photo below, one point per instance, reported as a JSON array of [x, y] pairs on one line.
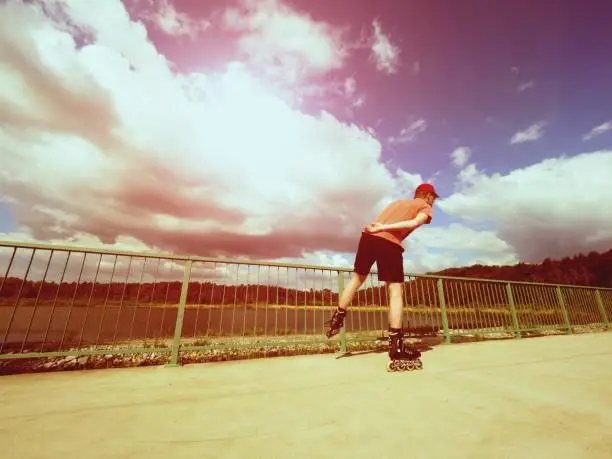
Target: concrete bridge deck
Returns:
[[534, 398]]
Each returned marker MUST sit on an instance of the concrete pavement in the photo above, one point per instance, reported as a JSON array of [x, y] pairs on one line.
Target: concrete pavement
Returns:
[[533, 398]]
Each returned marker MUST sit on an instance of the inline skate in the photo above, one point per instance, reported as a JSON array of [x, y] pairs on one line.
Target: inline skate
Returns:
[[336, 322], [402, 358]]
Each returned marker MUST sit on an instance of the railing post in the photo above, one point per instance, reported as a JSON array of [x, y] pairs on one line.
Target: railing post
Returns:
[[515, 322], [566, 318], [602, 310], [178, 329], [342, 331], [447, 336]]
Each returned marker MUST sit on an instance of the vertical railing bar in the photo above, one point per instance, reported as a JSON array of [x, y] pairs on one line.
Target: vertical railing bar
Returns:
[[137, 305], [458, 304], [561, 322], [435, 319], [520, 298], [546, 310], [366, 306], [180, 315], [517, 327], [492, 299], [602, 310], [108, 290], [42, 283], [88, 306], [554, 317], [211, 304], [583, 305], [477, 311], [286, 329], [474, 317], [463, 312], [246, 299], [295, 307], [564, 312], [236, 286], [74, 295], [355, 317], [268, 285], [487, 291], [256, 319], [421, 295], [16, 305], [449, 297], [8, 270], [342, 330], [443, 312], [481, 314], [152, 299], [520, 307], [413, 281], [505, 303], [127, 276], [277, 304], [575, 296], [382, 304], [589, 300], [540, 308], [165, 306], [548, 296], [327, 303], [306, 270], [227, 268], [536, 310], [198, 306], [429, 303], [59, 286]]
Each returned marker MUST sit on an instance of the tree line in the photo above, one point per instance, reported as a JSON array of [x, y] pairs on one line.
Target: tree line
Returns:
[[593, 269]]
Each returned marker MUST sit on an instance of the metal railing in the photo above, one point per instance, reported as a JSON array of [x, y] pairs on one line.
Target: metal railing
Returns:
[[71, 301]]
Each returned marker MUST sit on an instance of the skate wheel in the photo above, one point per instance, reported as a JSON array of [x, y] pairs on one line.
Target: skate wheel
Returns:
[[418, 365], [392, 366]]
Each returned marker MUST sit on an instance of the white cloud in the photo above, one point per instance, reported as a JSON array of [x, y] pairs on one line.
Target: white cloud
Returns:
[[431, 249], [106, 141], [525, 86], [460, 156], [285, 42], [531, 134], [172, 22], [554, 208], [598, 130], [385, 54], [410, 132]]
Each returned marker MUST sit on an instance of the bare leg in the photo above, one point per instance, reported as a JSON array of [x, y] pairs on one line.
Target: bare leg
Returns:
[[337, 320], [356, 281], [396, 304]]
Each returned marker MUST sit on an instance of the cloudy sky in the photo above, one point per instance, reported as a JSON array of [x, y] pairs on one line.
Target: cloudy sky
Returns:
[[273, 129]]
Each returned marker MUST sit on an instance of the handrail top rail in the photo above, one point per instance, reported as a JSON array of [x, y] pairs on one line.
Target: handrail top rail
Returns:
[[192, 258]]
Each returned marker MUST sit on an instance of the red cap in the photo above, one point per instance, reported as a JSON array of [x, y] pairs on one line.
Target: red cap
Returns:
[[427, 188]]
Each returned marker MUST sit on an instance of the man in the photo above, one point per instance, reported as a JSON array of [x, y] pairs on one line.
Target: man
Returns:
[[381, 242]]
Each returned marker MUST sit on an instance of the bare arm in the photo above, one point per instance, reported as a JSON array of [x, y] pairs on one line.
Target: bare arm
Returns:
[[406, 224]]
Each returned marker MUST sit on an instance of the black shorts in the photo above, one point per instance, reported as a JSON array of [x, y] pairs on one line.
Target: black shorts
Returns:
[[386, 254]]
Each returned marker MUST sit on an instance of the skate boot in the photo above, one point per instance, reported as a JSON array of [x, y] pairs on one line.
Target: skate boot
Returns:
[[336, 322], [402, 358]]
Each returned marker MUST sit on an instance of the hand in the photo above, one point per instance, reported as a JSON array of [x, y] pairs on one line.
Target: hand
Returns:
[[374, 227]]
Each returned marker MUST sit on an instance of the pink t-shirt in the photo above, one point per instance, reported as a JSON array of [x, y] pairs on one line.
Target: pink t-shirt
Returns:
[[401, 210]]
